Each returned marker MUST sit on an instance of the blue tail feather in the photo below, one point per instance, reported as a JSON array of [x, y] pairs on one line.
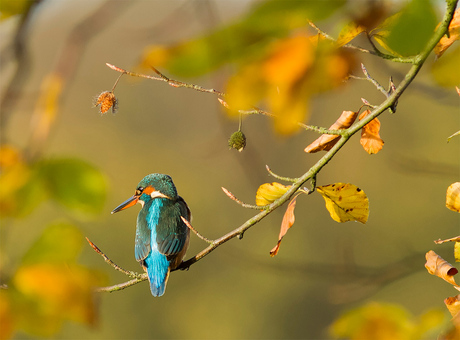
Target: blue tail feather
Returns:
[[158, 271]]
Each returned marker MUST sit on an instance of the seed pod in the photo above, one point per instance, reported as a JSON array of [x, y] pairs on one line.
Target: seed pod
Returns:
[[106, 100], [237, 141]]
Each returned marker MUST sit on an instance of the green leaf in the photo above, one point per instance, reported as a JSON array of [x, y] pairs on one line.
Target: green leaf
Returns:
[[75, 184], [241, 41], [411, 30], [59, 243]]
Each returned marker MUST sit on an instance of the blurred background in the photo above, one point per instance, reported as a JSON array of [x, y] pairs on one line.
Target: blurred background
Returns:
[[70, 165]]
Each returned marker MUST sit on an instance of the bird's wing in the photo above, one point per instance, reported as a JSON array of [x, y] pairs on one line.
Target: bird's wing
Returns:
[[142, 247], [172, 236]]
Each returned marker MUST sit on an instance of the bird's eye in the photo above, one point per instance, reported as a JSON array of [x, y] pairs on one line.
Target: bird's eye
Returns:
[[139, 190]]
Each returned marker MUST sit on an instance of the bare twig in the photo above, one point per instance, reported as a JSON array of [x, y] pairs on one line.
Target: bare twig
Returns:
[[113, 264], [162, 77], [287, 179], [244, 205], [187, 223], [453, 239]]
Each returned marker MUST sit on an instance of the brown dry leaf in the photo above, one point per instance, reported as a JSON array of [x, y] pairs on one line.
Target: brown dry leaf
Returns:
[[370, 137], [326, 142], [436, 265], [453, 197], [454, 34], [288, 222], [453, 304]]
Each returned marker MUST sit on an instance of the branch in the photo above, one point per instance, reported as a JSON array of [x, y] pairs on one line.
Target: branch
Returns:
[[375, 50], [346, 134], [113, 264], [162, 77]]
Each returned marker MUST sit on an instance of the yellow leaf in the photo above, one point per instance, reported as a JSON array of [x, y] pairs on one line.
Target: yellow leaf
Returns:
[[375, 321], [345, 202], [457, 251], [245, 89], [58, 292], [349, 32], [270, 192], [439, 267], [453, 197]]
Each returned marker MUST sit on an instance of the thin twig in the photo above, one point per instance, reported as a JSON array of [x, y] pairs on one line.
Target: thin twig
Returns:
[[162, 77], [453, 239], [287, 179], [113, 264], [244, 205], [187, 223], [123, 285], [375, 50]]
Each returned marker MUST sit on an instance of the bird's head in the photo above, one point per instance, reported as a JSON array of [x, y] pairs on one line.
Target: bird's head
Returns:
[[152, 186]]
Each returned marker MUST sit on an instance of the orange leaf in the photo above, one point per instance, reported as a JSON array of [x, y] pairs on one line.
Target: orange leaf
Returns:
[[370, 137], [453, 304], [289, 60], [288, 221], [454, 34], [326, 142], [436, 265]]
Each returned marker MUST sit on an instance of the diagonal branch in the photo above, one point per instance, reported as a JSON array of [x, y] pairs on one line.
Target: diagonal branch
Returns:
[[390, 101]]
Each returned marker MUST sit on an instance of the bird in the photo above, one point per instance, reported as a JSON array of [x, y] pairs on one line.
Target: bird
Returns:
[[162, 237]]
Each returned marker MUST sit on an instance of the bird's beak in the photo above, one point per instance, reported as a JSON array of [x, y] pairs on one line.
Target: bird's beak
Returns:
[[126, 204]]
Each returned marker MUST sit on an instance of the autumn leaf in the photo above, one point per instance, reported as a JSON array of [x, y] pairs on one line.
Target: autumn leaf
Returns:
[[6, 317], [349, 32], [457, 251], [288, 222], [370, 137], [379, 321], [269, 192], [345, 202], [326, 142], [454, 34], [436, 265], [49, 287], [453, 197], [453, 304]]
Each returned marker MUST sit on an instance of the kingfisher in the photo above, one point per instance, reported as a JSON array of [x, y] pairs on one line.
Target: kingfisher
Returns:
[[162, 237]]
